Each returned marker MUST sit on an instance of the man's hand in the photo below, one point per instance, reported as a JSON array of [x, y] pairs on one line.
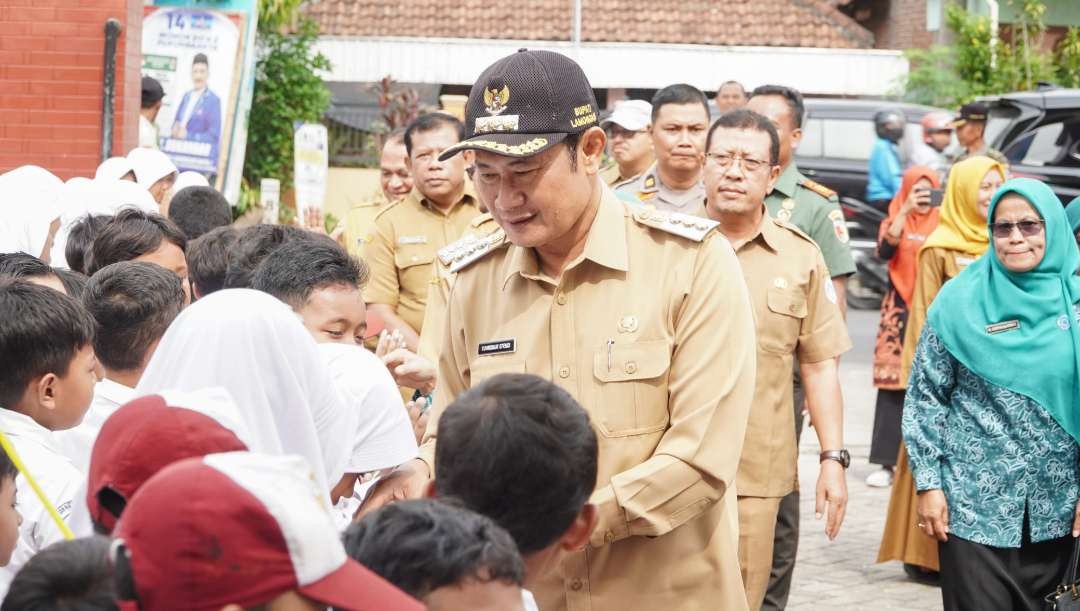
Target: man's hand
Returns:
[[933, 512], [418, 416], [408, 481], [831, 491], [411, 370]]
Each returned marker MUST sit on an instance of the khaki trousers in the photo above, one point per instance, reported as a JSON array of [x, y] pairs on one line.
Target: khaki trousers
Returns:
[[757, 526]]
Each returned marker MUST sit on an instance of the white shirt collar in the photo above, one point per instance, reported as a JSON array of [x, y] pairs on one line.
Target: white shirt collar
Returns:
[[114, 391], [19, 425]]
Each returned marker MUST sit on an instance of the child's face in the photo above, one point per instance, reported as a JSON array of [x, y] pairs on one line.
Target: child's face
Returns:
[[335, 315], [10, 519], [70, 395]]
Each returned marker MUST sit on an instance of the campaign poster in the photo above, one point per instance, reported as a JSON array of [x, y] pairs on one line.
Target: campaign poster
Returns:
[[312, 155], [197, 56]]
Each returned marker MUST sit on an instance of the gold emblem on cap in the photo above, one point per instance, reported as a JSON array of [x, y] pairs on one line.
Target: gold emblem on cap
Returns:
[[495, 100], [788, 204], [628, 324]]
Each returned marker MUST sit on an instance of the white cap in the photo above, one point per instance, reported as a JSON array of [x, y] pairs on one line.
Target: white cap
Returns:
[[189, 179], [150, 165], [633, 115]]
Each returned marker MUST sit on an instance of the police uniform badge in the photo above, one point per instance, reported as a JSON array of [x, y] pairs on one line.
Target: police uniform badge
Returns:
[[783, 214], [788, 204], [650, 182], [839, 226]]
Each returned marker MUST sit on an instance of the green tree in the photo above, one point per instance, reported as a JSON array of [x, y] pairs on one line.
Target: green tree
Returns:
[[933, 79], [1067, 58], [288, 90]]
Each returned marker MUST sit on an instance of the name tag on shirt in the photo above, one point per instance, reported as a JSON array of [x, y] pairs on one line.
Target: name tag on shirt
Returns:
[[1002, 327], [499, 346], [964, 261], [406, 240]]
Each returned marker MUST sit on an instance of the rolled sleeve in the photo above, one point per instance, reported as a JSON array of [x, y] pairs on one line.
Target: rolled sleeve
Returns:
[[710, 389]]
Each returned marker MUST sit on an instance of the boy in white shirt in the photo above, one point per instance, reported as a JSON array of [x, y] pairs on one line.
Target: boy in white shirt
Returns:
[[132, 303], [46, 385]]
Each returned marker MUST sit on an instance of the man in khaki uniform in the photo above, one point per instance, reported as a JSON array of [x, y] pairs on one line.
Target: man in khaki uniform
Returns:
[[628, 140], [680, 120], [796, 314], [401, 247], [641, 315], [395, 182]]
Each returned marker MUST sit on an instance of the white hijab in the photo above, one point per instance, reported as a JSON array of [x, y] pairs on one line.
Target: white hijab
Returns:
[[80, 197], [29, 207], [256, 348], [150, 165], [113, 168]]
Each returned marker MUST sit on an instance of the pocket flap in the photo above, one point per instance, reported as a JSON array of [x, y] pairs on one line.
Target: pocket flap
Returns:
[[787, 302], [409, 257], [641, 360]]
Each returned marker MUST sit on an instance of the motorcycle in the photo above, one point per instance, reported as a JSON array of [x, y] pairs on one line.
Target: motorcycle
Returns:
[[867, 286]]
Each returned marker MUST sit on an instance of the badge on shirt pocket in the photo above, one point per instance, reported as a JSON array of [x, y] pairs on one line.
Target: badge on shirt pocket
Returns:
[[407, 240]]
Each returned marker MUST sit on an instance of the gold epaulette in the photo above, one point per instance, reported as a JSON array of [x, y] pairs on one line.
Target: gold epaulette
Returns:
[[684, 225], [818, 188], [469, 249]]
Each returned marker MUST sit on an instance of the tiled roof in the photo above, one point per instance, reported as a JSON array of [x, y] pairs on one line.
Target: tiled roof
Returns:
[[787, 23]]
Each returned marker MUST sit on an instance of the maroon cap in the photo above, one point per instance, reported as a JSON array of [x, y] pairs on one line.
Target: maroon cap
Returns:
[[138, 440], [239, 528]]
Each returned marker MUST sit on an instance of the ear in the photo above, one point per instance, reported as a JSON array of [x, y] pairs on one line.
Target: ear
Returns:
[[469, 156], [591, 149], [796, 138], [774, 175], [577, 536], [45, 390], [429, 490]]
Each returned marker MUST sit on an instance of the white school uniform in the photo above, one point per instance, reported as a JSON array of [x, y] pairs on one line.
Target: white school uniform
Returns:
[[77, 443]]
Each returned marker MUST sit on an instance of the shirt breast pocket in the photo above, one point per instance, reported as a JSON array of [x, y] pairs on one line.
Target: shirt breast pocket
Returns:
[[779, 331], [414, 267], [632, 388]]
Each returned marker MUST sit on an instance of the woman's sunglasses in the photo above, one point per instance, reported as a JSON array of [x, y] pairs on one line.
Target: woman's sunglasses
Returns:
[[1027, 228]]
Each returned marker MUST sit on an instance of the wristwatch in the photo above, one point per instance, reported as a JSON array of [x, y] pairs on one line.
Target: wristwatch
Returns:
[[841, 456]]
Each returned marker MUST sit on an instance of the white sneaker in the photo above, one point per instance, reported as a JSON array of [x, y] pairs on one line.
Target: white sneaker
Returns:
[[882, 478]]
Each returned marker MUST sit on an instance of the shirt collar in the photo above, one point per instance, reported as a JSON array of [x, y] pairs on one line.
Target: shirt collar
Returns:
[[605, 244], [114, 391], [787, 181], [468, 196], [15, 424], [768, 233]]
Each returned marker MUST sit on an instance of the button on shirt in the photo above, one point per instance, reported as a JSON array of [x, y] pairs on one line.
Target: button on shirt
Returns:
[[402, 247], [58, 479], [77, 443], [995, 453], [796, 315], [655, 339], [650, 190]]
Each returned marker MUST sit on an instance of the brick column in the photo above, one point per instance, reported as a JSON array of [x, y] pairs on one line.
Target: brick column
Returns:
[[51, 81]]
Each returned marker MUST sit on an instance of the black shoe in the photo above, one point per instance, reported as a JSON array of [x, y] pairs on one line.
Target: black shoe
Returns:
[[918, 574]]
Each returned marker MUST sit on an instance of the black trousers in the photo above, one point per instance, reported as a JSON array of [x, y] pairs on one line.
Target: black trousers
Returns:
[[976, 577], [888, 412], [786, 542]]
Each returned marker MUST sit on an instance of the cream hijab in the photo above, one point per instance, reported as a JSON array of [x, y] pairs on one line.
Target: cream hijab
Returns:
[[29, 207], [256, 348]]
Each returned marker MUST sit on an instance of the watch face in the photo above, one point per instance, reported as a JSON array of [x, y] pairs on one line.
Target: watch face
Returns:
[[845, 458]]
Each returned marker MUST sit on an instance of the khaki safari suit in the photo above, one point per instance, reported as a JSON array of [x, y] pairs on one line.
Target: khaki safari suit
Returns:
[[648, 189], [653, 334], [402, 247], [442, 280], [613, 178], [359, 221], [796, 314]]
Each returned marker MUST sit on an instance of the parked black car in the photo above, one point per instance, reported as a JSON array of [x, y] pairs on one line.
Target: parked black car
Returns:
[[1039, 132], [838, 136]]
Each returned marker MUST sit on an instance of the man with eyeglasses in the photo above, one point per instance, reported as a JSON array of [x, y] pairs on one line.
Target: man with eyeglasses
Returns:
[[630, 145], [796, 315]]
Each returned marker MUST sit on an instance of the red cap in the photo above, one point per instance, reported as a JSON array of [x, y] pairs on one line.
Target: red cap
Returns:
[[240, 528], [141, 438]]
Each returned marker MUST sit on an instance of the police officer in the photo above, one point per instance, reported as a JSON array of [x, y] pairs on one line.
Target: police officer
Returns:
[[401, 247], [620, 305], [680, 120], [815, 210], [970, 126], [796, 315], [629, 141], [395, 182]]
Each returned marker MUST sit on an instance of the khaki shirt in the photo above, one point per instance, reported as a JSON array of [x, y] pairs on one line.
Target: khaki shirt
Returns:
[[402, 246], [815, 210], [649, 189], [442, 280], [359, 222], [653, 335], [936, 267], [796, 315]]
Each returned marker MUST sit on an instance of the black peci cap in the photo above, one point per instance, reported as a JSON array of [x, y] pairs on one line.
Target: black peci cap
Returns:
[[151, 91], [525, 103]]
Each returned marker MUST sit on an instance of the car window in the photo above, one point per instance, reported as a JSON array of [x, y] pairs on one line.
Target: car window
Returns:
[[810, 146], [1000, 118], [1046, 145], [848, 139]]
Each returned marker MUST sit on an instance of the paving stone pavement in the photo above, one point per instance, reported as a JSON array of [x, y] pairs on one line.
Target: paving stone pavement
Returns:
[[842, 575]]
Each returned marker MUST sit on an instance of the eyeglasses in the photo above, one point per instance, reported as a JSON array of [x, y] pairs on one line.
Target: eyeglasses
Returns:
[[724, 161], [1027, 228]]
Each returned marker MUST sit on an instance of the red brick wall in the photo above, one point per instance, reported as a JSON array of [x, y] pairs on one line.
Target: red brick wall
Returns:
[[51, 78], [896, 24]]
